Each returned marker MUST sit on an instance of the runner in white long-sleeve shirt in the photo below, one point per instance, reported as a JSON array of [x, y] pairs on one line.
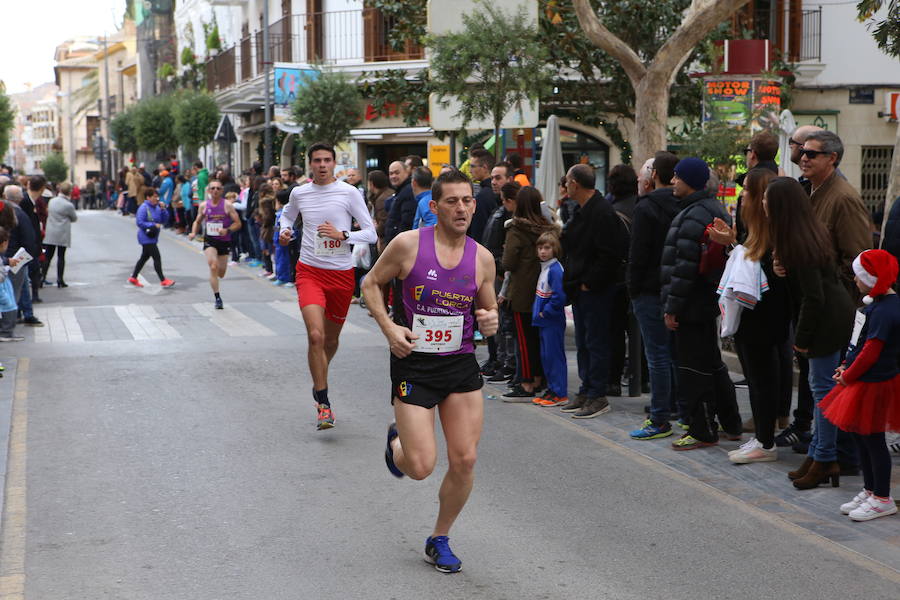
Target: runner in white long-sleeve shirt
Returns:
[[325, 279]]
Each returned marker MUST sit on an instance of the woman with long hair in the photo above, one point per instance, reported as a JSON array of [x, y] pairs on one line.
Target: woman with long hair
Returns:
[[265, 219], [764, 330], [802, 247], [521, 261]]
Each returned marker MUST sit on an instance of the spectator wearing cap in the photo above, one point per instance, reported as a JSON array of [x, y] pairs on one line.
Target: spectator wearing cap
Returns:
[[166, 187], [690, 307]]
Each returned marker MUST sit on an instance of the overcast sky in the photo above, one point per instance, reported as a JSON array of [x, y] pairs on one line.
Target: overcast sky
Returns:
[[36, 27]]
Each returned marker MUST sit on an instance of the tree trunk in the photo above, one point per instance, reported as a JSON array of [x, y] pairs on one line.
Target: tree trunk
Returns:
[[893, 189], [651, 111]]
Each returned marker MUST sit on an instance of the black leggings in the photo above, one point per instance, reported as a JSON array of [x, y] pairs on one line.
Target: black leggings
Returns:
[[49, 250], [763, 370], [875, 460], [149, 251]]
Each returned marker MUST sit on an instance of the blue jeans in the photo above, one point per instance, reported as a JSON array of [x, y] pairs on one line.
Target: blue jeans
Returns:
[[253, 228], [658, 350], [22, 291], [823, 447], [592, 311]]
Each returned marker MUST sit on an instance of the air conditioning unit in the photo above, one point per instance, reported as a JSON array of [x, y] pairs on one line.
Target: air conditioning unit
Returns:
[[891, 106]]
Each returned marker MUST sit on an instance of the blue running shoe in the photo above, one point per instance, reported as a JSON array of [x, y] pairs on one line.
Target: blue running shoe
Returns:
[[389, 452], [439, 554], [649, 431]]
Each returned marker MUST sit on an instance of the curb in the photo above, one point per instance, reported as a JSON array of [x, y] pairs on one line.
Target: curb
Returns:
[[7, 392]]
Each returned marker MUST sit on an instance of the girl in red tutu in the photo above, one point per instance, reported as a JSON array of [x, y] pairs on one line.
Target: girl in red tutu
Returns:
[[867, 400]]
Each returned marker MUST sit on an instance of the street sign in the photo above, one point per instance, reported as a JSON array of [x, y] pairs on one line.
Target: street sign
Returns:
[[225, 132]]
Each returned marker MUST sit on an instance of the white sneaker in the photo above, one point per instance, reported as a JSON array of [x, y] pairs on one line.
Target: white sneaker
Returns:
[[753, 452], [893, 442], [873, 508], [272, 277], [746, 446], [857, 500]]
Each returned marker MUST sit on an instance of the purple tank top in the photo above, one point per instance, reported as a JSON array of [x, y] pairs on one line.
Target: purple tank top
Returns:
[[438, 302], [218, 215]]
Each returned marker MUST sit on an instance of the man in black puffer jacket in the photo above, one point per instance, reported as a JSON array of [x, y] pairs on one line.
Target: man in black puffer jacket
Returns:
[[691, 306]]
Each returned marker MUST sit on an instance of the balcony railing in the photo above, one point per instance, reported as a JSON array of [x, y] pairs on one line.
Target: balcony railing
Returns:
[[811, 40], [331, 38], [220, 70]]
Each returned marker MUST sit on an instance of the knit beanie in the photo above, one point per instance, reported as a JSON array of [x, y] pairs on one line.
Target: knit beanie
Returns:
[[693, 171], [877, 269]]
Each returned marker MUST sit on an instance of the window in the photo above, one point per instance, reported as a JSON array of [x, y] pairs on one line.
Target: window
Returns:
[[876, 171]]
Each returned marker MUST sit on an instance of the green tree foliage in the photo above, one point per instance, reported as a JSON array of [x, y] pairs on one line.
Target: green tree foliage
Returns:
[[396, 91], [153, 126], [328, 108], [55, 167], [121, 129], [7, 119], [408, 19], [196, 117], [495, 63], [885, 31], [716, 142]]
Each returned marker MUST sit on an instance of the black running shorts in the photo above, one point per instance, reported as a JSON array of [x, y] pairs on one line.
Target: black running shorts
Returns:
[[426, 379], [223, 247]]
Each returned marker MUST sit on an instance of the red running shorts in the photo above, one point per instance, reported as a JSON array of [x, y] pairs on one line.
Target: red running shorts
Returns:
[[329, 289]]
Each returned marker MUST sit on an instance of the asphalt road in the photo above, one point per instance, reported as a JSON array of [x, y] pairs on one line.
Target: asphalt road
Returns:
[[161, 450]]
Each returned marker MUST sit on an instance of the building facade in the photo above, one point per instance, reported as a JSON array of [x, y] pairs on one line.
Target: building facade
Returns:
[[79, 115]]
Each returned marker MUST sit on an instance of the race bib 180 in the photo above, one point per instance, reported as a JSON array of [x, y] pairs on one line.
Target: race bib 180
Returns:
[[438, 333], [326, 246]]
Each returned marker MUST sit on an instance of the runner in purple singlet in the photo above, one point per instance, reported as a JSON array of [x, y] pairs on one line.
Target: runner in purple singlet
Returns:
[[219, 220], [443, 274]]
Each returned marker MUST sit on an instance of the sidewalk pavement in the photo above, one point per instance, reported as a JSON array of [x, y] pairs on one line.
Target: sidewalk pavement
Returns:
[[764, 486]]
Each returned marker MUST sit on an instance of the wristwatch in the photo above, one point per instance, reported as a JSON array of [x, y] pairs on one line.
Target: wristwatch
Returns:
[[346, 235]]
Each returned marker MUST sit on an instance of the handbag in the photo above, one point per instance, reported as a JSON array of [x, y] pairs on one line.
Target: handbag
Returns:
[[712, 256], [151, 232]]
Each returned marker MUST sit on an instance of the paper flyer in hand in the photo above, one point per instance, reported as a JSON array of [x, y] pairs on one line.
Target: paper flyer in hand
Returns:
[[23, 257]]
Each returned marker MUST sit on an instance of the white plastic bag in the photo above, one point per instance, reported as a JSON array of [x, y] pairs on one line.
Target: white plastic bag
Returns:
[[362, 257]]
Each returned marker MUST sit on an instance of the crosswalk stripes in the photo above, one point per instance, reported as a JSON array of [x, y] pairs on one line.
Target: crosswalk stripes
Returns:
[[233, 322], [292, 310], [143, 323], [60, 325]]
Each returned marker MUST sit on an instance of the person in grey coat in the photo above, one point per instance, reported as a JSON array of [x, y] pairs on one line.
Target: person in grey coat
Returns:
[[58, 234]]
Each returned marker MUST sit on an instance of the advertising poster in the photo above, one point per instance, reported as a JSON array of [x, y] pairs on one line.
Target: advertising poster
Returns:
[[287, 83], [742, 101]]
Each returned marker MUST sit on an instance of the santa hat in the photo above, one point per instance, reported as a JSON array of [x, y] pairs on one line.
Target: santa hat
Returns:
[[877, 269]]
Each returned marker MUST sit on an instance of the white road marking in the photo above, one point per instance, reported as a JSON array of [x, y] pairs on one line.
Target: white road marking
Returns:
[[144, 323], [232, 322], [60, 325], [292, 309]]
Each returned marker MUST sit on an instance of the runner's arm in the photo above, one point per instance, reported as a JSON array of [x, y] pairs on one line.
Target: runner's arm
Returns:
[[235, 218], [486, 298], [360, 212], [290, 211], [201, 216], [389, 266]]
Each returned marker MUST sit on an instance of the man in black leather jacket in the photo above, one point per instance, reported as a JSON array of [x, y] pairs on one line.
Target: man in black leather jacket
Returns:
[[690, 305]]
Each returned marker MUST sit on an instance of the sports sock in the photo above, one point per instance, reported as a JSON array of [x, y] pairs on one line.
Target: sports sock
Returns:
[[321, 396], [216, 294]]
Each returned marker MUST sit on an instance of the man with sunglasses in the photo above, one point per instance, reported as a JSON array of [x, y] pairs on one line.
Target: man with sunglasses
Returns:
[[835, 202], [220, 220]]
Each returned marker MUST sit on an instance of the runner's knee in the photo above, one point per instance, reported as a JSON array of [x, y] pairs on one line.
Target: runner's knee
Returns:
[[316, 338], [418, 468], [463, 462]]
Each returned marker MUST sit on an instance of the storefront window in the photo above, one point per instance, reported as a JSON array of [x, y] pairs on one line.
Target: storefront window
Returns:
[[581, 148]]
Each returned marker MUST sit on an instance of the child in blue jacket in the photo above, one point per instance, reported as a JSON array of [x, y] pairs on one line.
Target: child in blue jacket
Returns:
[[282, 253], [549, 316]]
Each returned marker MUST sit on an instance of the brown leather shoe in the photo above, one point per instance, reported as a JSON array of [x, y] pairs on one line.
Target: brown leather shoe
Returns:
[[819, 472], [807, 463]]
